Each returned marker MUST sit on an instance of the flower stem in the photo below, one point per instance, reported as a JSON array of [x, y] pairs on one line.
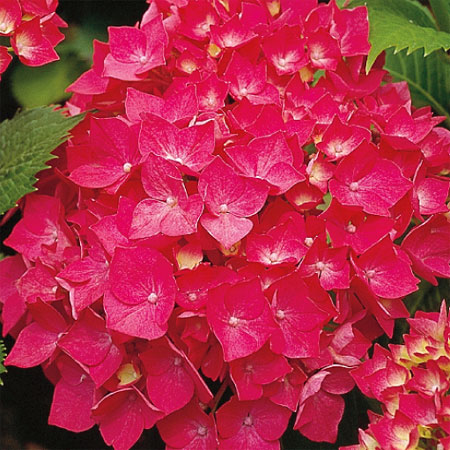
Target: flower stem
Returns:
[[219, 395]]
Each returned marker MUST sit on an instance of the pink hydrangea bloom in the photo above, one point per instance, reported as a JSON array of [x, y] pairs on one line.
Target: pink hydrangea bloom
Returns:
[[229, 229]]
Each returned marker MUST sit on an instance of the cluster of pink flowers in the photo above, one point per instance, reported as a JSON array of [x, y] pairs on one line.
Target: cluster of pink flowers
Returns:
[[220, 242], [33, 29], [412, 383]]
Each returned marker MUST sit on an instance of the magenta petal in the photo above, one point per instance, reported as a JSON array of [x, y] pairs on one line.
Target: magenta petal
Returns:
[[47, 316], [387, 274], [171, 390], [13, 304], [182, 220], [363, 179], [127, 71], [143, 275], [33, 346], [38, 282], [240, 330], [186, 429], [285, 50], [198, 143], [161, 179], [30, 44], [319, 416], [283, 176], [300, 320], [136, 102], [123, 415], [270, 420], [85, 280], [159, 136], [126, 43], [180, 105], [428, 245], [72, 404], [147, 218], [224, 190], [250, 373], [11, 15], [135, 320], [432, 194], [250, 439], [107, 368], [227, 228], [351, 28], [252, 199], [13, 309], [190, 147], [89, 83], [255, 303], [171, 387], [258, 423], [87, 341], [98, 176]]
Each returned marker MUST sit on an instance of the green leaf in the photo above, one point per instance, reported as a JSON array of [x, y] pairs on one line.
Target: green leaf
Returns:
[[401, 24], [341, 3], [26, 143], [441, 12], [428, 78], [2, 358], [326, 202], [318, 74]]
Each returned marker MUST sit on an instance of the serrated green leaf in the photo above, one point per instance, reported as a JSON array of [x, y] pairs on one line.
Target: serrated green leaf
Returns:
[[402, 25], [26, 143], [428, 78], [2, 358]]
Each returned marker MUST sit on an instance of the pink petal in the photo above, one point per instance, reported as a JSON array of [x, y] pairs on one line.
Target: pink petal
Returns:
[[10, 16], [183, 220], [227, 228], [235, 317], [147, 218], [33, 346], [127, 44], [189, 428], [122, 417], [318, 418], [363, 179], [137, 273], [387, 274], [432, 194], [72, 404], [87, 341], [428, 245], [13, 304], [141, 320]]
